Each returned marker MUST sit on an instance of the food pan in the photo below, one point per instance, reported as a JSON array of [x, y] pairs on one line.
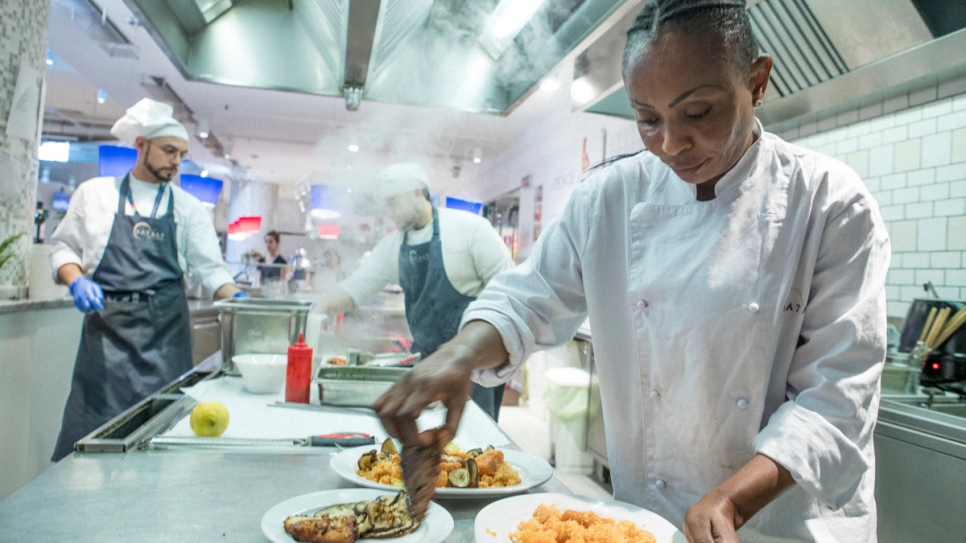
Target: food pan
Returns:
[[355, 386]]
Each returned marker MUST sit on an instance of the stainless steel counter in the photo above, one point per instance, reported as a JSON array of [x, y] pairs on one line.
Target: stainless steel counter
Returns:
[[183, 494]]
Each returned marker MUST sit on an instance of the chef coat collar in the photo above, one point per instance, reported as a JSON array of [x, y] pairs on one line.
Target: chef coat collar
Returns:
[[135, 180], [742, 170]]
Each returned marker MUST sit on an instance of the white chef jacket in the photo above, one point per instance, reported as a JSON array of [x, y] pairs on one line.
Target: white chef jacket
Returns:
[[754, 322], [83, 234], [472, 254]]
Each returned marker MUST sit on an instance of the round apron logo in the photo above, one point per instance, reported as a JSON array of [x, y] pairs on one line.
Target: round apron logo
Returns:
[[415, 258], [143, 230]]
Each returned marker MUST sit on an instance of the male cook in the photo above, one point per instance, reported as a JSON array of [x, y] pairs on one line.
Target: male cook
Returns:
[[123, 248], [441, 258]]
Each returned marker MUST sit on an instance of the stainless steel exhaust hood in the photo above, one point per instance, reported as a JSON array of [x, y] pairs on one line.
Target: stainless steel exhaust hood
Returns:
[[451, 53], [829, 55]]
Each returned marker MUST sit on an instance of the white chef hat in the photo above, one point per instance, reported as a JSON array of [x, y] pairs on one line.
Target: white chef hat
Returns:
[[148, 119], [400, 178]]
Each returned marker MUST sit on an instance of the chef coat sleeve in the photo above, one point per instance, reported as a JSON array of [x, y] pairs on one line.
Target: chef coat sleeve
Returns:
[[823, 433], [490, 255], [66, 241], [202, 254], [540, 303], [377, 271]]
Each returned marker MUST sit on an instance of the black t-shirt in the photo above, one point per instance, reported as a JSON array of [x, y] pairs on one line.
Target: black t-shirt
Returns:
[[271, 272]]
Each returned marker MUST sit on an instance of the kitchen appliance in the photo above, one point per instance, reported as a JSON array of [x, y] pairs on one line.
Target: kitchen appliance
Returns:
[[258, 326], [945, 366]]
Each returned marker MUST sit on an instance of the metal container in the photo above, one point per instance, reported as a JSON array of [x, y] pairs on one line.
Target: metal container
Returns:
[[355, 386], [258, 326]]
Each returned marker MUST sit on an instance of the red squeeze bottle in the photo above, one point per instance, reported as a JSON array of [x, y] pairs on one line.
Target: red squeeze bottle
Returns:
[[298, 375]]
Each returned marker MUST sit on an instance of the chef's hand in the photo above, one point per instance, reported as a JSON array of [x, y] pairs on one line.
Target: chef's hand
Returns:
[[712, 520], [87, 294], [718, 515], [443, 376]]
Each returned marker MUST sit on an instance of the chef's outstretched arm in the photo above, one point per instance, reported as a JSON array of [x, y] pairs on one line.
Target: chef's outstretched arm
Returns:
[[443, 376], [718, 515]]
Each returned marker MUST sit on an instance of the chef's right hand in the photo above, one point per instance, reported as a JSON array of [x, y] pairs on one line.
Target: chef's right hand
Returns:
[[87, 295], [443, 376], [440, 377]]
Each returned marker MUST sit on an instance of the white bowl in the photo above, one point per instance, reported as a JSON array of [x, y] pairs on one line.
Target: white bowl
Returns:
[[262, 373]]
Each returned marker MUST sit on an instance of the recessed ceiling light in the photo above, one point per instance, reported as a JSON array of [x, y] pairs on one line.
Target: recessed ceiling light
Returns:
[[550, 85], [101, 96], [353, 148]]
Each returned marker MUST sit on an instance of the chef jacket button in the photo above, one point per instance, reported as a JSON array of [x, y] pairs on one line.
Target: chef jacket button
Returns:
[[660, 483], [655, 394], [753, 307], [743, 403]]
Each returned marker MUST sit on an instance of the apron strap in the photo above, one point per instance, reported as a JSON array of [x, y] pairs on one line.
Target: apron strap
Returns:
[[126, 191]]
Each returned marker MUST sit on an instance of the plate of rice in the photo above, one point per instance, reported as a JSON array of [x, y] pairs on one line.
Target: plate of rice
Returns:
[[517, 473], [533, 518]]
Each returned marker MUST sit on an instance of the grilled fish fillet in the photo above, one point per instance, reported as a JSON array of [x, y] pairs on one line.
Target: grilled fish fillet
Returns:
[[420, 467], [324, 529]]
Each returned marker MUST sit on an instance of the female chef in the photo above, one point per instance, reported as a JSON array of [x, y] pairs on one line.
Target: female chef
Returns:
[[123, 248], [735, 288]]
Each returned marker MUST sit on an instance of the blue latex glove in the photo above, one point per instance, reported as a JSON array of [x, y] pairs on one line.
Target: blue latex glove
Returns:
[[242, 295], [87, 295]]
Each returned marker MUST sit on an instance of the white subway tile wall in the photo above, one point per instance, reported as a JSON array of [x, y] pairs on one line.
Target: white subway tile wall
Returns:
[[911, 152]]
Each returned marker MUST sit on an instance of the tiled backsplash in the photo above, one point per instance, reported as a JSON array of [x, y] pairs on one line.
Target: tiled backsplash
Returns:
[[23, 37], [911, 152]]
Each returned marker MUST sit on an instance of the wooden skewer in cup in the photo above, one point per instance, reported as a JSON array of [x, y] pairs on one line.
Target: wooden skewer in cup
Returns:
[[937, 327], [929, 319], [958, 320]]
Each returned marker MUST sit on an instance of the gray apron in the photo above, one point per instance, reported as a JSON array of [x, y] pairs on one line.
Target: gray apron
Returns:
[[141, 341], [434, 307]]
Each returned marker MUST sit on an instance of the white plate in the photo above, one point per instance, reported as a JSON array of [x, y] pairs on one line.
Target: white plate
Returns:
[[435, 527], [533, 472], [502, 517]]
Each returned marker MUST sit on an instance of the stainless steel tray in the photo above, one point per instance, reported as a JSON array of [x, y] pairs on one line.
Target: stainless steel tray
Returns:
[[355, 386]]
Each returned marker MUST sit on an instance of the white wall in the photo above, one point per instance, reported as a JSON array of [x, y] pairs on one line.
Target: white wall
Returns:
[[551, 154], [911, 152]]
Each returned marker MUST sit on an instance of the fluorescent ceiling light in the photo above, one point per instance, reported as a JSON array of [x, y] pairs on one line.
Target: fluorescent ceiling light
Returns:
[[353, 148], [581, 91], [54, 151], [101, 96], [550, 85], [506, 21], [203, 129]]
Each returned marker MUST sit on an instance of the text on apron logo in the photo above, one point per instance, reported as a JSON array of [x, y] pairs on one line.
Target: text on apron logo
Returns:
[[415, 258], [143, 230], [795, 304]]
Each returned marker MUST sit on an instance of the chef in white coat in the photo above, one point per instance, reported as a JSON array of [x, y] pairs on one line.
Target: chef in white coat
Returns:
[[735, 289], [123, 247], [442, 258]]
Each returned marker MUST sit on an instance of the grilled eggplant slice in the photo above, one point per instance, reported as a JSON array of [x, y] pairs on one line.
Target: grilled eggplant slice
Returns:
[[474, 452], [474, 473], [420, 467], [387, 517], [367, 460], [389, 446], [459, 478]]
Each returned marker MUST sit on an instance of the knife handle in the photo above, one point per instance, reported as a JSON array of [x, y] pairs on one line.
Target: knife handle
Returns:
[[318, 441]]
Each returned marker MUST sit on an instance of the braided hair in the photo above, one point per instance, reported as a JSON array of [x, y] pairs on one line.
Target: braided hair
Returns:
[[725, 20]]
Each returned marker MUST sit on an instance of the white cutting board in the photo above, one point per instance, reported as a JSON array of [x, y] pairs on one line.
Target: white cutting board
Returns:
[[252, 417]]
